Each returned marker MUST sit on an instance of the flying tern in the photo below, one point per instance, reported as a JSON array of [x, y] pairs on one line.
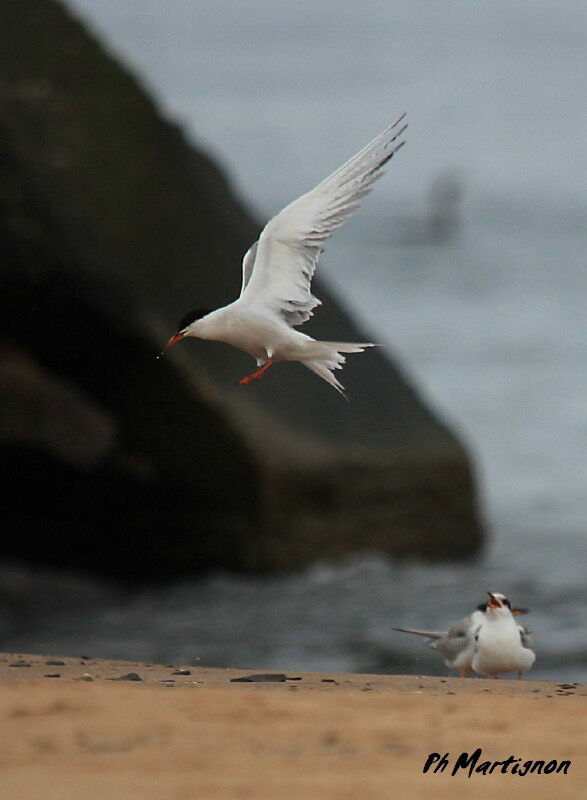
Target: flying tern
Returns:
[[277, 272], [456, 646], [500, 645]]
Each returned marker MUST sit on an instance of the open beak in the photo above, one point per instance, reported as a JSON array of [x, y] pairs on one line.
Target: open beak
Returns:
[[493, 602], [520, 611], [174, 340]]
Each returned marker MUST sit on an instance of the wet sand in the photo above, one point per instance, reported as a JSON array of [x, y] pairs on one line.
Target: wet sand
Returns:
[[200, 736]]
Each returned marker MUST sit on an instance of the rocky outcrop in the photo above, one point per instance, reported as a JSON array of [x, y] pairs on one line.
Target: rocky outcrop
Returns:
[[132, 466]]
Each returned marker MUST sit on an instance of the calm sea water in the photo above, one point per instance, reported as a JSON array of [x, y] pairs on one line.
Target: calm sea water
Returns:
[[491, 324]]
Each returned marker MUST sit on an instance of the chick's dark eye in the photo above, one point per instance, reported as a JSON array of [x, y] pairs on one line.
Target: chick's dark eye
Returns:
[[506, 603]]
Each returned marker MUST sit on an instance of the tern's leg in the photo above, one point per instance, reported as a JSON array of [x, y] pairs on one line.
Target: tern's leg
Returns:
[[257, 375], [462, 672], [519, 676]]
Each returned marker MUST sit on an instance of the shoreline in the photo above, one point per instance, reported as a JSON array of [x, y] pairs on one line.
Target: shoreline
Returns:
[[189, 732], [26, 666]]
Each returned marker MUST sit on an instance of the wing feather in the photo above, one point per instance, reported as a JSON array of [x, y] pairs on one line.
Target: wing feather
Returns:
[[278, 269], [248, 264]]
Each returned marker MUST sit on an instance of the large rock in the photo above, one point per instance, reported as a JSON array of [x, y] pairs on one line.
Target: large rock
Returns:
[[111, 227]]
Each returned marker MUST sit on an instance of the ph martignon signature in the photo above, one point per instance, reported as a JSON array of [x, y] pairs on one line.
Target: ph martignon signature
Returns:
[[510, 765]]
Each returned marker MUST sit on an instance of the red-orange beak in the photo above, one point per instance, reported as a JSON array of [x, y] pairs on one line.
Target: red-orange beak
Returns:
[[520, 611], [493, 602], [174, 340]]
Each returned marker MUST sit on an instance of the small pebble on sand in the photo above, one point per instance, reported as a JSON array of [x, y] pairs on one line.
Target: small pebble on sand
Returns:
[[261, 677], [130, 676]]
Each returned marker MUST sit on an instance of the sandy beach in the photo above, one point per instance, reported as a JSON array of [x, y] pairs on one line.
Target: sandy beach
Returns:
[[89, 729]]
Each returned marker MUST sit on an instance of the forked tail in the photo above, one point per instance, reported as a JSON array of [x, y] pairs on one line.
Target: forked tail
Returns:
[[328, 357]]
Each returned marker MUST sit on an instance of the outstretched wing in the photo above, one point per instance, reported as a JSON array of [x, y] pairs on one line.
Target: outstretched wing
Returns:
[[278, 268]]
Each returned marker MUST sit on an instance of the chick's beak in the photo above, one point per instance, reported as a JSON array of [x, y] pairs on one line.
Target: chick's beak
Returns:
[[174, 340], [493, 601]]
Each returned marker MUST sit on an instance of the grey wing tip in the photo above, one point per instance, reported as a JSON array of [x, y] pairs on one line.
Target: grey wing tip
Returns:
[[411, 630], [396, 136], [418, 632]]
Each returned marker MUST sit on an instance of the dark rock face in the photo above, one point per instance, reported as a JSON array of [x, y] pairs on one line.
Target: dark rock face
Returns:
[[111, 226]]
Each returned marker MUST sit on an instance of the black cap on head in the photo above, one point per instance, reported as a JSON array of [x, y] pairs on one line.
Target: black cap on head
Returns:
[[192, 316]]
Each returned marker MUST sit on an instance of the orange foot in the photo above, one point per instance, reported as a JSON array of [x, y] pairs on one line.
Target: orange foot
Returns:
[[255, 376]]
